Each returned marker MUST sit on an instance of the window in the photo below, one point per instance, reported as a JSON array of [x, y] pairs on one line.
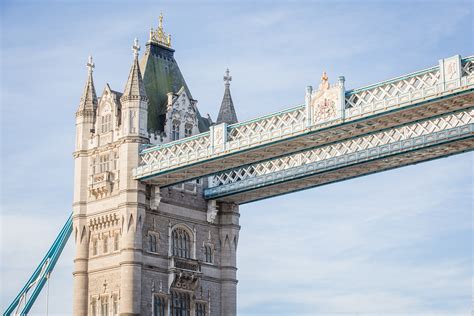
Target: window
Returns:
[[181, 243], [115, 305], [152, 242], [175, 130], [116, 242], [208, 253], [159, 306], [116, 161], [180, 304], [188, 130], [94, 307], [104, 306], [94, 166], [200, 309], [106, 244], [104, 163], [94, 247], [106, 123]]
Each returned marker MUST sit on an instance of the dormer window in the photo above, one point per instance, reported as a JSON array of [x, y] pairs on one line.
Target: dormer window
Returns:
[[188, 130], [175, 130], [106, 123]]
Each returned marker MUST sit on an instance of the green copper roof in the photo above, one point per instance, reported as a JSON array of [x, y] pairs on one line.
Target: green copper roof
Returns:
[[161, 75]]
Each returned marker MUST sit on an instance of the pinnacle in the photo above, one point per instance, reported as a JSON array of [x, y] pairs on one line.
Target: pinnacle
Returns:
[[89, 96], [227, 111]]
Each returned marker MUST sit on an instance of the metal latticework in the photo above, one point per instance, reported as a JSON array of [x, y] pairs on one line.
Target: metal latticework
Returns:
[[359, 149], [422, 84], [267, 128]]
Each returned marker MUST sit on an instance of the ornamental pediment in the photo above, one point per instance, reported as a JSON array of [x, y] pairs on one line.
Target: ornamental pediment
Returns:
[[324, 102]]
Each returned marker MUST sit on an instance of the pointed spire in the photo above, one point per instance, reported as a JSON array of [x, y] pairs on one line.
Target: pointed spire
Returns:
[[227, 110], [89, 97], [135, 89]]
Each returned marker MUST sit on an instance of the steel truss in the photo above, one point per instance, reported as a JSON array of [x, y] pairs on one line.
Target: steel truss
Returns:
[[290, 172]]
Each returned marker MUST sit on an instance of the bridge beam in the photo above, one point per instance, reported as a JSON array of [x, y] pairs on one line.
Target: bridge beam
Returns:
[[374, 152]]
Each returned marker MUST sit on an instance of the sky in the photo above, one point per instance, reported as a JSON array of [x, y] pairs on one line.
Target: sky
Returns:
[[393, 243]]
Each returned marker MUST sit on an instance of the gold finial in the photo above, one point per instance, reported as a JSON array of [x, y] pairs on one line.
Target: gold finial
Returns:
[[324, 77], [324, 85], [161, 20], [159, 36]]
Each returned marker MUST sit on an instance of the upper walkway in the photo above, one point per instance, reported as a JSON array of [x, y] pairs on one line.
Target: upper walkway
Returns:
[[330, 114]]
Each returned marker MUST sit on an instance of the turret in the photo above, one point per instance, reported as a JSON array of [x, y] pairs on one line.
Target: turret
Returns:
[[134, 101], [227, 111], [85, 117], [86, 111]]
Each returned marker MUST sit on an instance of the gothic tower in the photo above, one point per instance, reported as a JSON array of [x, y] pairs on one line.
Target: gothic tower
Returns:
[[142, 249]]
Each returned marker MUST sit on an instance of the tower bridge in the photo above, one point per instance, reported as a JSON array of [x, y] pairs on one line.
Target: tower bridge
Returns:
[[157, 186]]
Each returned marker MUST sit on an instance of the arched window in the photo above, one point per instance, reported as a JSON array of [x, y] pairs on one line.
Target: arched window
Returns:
[[106, 244], [181, 243], [208, 253], [152, 242], [95, 244], [175, 130], [159, 306], [180, 304], [116, 242], [200, 309]]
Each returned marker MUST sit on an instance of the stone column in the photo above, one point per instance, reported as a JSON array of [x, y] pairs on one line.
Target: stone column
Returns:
[[80, 233], [229, 236], [80, 278]]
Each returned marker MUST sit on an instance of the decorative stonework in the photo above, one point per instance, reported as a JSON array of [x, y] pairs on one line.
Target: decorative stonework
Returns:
[[323, 101], [104, 221], [219, 136], [104, 283], [211, 211], [185, 281]]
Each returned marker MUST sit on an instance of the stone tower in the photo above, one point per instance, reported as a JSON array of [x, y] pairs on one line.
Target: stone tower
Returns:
[[141, 249]]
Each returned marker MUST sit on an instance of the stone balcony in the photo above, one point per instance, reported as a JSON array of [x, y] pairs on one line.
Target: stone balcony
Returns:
[[184, 273], [101, 184], [185, 264]]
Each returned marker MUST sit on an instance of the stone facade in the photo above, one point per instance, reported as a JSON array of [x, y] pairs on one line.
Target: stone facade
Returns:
[[141, 249]]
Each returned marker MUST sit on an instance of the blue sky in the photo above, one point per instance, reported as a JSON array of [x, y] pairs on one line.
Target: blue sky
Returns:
[[397, 243]]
